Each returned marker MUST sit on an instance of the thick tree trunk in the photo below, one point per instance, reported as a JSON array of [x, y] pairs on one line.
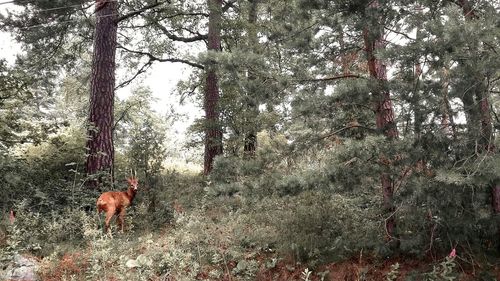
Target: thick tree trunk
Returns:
[[213, 131], [100, 133], [384, 113], [250, 130]]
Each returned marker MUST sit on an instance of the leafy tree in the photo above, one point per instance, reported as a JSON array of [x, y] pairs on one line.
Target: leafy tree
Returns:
[[22, 100]]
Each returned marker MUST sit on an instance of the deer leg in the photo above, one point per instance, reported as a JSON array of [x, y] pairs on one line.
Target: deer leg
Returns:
[[121, 219], [109, 215]]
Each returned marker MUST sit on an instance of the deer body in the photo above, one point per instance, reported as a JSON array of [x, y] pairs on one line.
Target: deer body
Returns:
[[115, 203]]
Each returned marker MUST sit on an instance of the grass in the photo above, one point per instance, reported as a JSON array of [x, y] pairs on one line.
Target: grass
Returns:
[[192, 234]]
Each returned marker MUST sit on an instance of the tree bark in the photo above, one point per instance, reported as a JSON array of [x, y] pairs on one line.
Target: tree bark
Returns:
[[447, 122], [251, 134], [100, 133], [213, 130], [486, 139], [384, 112]]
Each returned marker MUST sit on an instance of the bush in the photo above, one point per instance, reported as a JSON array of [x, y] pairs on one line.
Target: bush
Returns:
[[42, 234]]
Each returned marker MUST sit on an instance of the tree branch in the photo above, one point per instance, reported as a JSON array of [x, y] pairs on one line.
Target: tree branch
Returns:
[[143, 69], [229, 4], [153, 58], [351, 126], [331, 78], [124, 112], [138, 12], [193, 64], [174, 37], [400, 33], [186, 14]]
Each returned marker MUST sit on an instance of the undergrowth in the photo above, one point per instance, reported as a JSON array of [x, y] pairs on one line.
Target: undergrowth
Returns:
[[245, 222]]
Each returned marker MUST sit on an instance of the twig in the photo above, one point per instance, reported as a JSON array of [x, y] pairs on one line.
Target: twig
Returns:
[[154, 58], [331, 78], [138, 12], [143, 69], [400, 33]]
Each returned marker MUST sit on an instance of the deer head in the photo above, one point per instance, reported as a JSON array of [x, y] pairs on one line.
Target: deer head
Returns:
[[133, 182]]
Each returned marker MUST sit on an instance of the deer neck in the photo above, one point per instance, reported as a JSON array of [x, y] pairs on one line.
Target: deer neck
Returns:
[[131, 194]]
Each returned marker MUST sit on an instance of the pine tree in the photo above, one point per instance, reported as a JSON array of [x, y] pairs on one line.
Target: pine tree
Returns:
[[253, 40], [100, 134], [384, 111], [481, 92], [213, 131]]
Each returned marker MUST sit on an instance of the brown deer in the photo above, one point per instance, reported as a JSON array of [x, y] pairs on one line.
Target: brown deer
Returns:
[[116, 202]]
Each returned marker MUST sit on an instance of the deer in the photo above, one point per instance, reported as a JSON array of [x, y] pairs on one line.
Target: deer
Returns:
[[116, 202]]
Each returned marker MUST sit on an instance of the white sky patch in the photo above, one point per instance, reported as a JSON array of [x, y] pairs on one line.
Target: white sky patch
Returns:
[[8, 48], [329, 89], [163, 83]]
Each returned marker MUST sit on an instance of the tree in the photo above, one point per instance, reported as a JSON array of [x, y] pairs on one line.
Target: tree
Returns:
[[213, 130], [100, 133], [481, 91], [54, 34], [479, 85], [22, 100], [384, 111], [253, 41]]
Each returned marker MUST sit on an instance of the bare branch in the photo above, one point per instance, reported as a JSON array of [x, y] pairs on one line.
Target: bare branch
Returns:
[[229, 4], [194, 14], [153, 58], [174, 37], [400, 33], [122, 116], [143, 69], [140, 11], [331, 78]]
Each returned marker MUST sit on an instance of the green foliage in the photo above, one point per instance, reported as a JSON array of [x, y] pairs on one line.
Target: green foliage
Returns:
[[23, 99], [317, 227], [443, 271], [47, 176], [296, 76], [142, 135], [43, 234]]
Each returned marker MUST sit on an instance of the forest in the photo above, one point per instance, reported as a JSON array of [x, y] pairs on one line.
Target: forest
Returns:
[[326, 140]]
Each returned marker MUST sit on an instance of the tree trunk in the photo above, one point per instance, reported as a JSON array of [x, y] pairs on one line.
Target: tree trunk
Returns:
[[253, 41], [447, 122], [384, 112], [483, 112], [486, 139], [100, 133], [213, 130], [418, 113], [495, 195]]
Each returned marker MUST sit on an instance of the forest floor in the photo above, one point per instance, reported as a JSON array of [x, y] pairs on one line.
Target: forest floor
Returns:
[[216, 238], [76, 265]]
